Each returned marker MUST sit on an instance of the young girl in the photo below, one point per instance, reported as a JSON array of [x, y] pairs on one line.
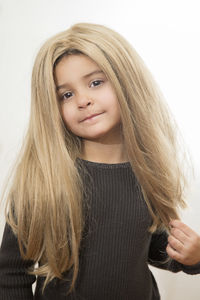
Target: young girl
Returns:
[[98, 184]]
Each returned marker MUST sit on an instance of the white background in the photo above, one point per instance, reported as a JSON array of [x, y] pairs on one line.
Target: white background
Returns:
[[167, 36]]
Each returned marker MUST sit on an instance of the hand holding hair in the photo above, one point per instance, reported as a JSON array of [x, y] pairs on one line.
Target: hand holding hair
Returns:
[[183, 243]]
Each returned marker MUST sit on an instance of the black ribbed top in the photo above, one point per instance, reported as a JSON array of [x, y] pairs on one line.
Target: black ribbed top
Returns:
[[115, 250]]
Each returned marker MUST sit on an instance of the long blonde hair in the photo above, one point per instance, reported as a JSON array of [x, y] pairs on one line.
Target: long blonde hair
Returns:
[[45, 207]]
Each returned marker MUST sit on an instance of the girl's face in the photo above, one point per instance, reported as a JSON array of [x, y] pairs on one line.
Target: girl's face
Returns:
[[89, 105]]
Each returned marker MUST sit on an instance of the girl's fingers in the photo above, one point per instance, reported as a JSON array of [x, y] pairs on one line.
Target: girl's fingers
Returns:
[[182, 227], [173, 253], [184, 244], [179, 235], [175, 244]]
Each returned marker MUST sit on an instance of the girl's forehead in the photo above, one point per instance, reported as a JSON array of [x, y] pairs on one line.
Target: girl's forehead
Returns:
[[76, 60], [73, 67]]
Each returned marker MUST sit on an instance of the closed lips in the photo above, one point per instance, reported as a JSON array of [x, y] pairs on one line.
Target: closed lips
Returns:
[[91, 116]]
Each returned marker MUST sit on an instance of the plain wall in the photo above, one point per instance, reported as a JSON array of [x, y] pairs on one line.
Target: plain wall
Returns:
[[165, 34]]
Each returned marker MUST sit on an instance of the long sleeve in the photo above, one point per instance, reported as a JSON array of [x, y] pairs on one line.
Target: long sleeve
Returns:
[[15, 282], [157, 256]]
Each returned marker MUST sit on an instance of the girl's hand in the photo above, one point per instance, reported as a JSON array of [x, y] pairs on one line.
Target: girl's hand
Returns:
[[183, 244]]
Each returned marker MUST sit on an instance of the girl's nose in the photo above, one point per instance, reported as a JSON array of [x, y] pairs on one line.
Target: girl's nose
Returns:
[[83, 101]]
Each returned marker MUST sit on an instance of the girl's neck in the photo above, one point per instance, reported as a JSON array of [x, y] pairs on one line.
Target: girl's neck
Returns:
[[102, 153], [108, 148]]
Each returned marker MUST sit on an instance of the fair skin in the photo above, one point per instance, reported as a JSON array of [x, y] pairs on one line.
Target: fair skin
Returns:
[[81, 96], [183, 243]]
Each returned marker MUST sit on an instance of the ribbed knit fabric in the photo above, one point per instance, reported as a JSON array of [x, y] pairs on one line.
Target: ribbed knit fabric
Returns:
[[115, 251]]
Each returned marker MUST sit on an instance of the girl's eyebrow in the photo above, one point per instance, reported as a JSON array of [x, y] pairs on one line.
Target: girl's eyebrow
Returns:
[[64, 85]]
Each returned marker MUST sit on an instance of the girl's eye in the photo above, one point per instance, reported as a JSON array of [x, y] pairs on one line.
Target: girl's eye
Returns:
[[96, 82], [66, 95]]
